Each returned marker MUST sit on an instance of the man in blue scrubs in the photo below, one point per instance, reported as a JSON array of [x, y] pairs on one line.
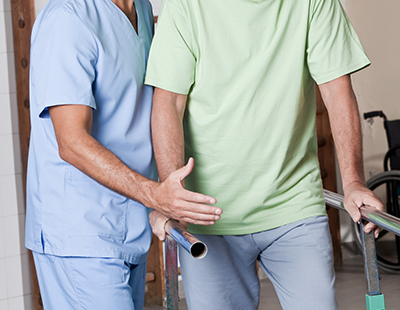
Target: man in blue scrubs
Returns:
[[91, 171]]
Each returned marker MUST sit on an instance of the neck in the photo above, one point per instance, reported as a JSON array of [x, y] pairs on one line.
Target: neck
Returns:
[[128, 8], [125, 5]]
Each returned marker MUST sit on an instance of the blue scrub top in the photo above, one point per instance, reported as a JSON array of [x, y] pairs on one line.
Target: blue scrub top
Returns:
[[87, 52]]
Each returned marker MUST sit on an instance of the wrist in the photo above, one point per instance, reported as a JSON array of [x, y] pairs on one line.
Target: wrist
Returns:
[[149, 194], [353, 184]]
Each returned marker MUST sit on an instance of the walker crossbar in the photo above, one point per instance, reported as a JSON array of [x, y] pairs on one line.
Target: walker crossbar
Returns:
[[374, 299], [382, 219]]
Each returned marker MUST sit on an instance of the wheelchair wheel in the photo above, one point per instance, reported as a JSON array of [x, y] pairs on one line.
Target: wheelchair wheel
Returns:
[[387, 186]]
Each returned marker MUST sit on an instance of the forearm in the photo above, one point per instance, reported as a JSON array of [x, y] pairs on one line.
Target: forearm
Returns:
[[89, 156], [344, 117], [167, 131]]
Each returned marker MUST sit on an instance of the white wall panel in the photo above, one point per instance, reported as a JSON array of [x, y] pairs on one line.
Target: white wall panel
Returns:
[[8, 195], [3, 279], [16, 303], [6, 155], [2, 246], [14, 277], [5, 6], [5, 115], [11, 236]]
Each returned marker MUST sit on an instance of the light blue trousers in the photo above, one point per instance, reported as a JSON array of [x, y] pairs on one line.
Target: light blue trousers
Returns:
[[77, 283], [297, 258]]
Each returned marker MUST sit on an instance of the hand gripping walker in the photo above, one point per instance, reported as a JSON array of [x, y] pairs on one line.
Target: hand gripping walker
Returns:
[[374, 299]]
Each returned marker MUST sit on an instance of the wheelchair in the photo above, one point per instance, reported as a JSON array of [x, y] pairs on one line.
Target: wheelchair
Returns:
[[387, 186]]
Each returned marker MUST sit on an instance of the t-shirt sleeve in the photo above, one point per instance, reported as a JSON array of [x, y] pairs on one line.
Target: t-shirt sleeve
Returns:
[[171, 64], [334, 48], [63, 62]]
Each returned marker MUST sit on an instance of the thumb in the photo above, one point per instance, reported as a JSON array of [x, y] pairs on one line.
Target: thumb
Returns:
[[185, 170], [160, 234]]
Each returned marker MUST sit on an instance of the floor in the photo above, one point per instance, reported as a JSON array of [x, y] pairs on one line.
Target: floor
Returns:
[[350, 286]]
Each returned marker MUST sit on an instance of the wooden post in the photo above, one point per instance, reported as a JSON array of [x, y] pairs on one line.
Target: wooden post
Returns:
[[155, 290], [326, 156], [23, 16]]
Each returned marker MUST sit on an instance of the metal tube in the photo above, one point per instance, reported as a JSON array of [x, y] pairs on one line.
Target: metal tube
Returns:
[[190, 243], [370, 262], [368, 213], [171, 274]]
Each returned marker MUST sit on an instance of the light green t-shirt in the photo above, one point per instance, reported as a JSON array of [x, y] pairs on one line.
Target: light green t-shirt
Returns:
[[249, 68]]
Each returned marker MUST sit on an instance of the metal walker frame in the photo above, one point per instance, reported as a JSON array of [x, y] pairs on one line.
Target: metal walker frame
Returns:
[[375, 300]]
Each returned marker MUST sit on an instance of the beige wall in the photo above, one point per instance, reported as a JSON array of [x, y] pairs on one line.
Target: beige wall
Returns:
[[377, 87]]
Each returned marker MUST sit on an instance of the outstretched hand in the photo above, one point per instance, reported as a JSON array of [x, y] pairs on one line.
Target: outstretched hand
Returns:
[[174, 201], [356, 195]]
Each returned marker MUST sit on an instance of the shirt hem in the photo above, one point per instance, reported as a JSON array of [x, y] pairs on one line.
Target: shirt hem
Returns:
[[254, 228], [343, 71], [173, 89]]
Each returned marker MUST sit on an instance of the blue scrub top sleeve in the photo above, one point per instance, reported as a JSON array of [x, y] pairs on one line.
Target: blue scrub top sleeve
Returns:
[[63, 59]]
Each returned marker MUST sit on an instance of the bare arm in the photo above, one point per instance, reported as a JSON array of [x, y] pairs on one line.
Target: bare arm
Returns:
[[167, 131], [341, 104], [168, 143], [72, 125]]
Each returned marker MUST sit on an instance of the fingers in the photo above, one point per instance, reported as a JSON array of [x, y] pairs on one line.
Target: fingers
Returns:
[[198, 198], [353, 211], [374, 201], [192, 207], [369, 227], [197, 204], [372, 227], [157, 222], [180, 204], [193, 203], [377, 231], [194, 218], [357, 195], [196, 214], [358, 199]]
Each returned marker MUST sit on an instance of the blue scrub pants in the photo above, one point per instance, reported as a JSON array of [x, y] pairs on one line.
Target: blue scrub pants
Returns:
[[297, 258], [89, 283]]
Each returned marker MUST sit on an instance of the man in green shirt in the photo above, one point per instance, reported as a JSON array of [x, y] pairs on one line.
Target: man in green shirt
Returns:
[[235, 91]]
